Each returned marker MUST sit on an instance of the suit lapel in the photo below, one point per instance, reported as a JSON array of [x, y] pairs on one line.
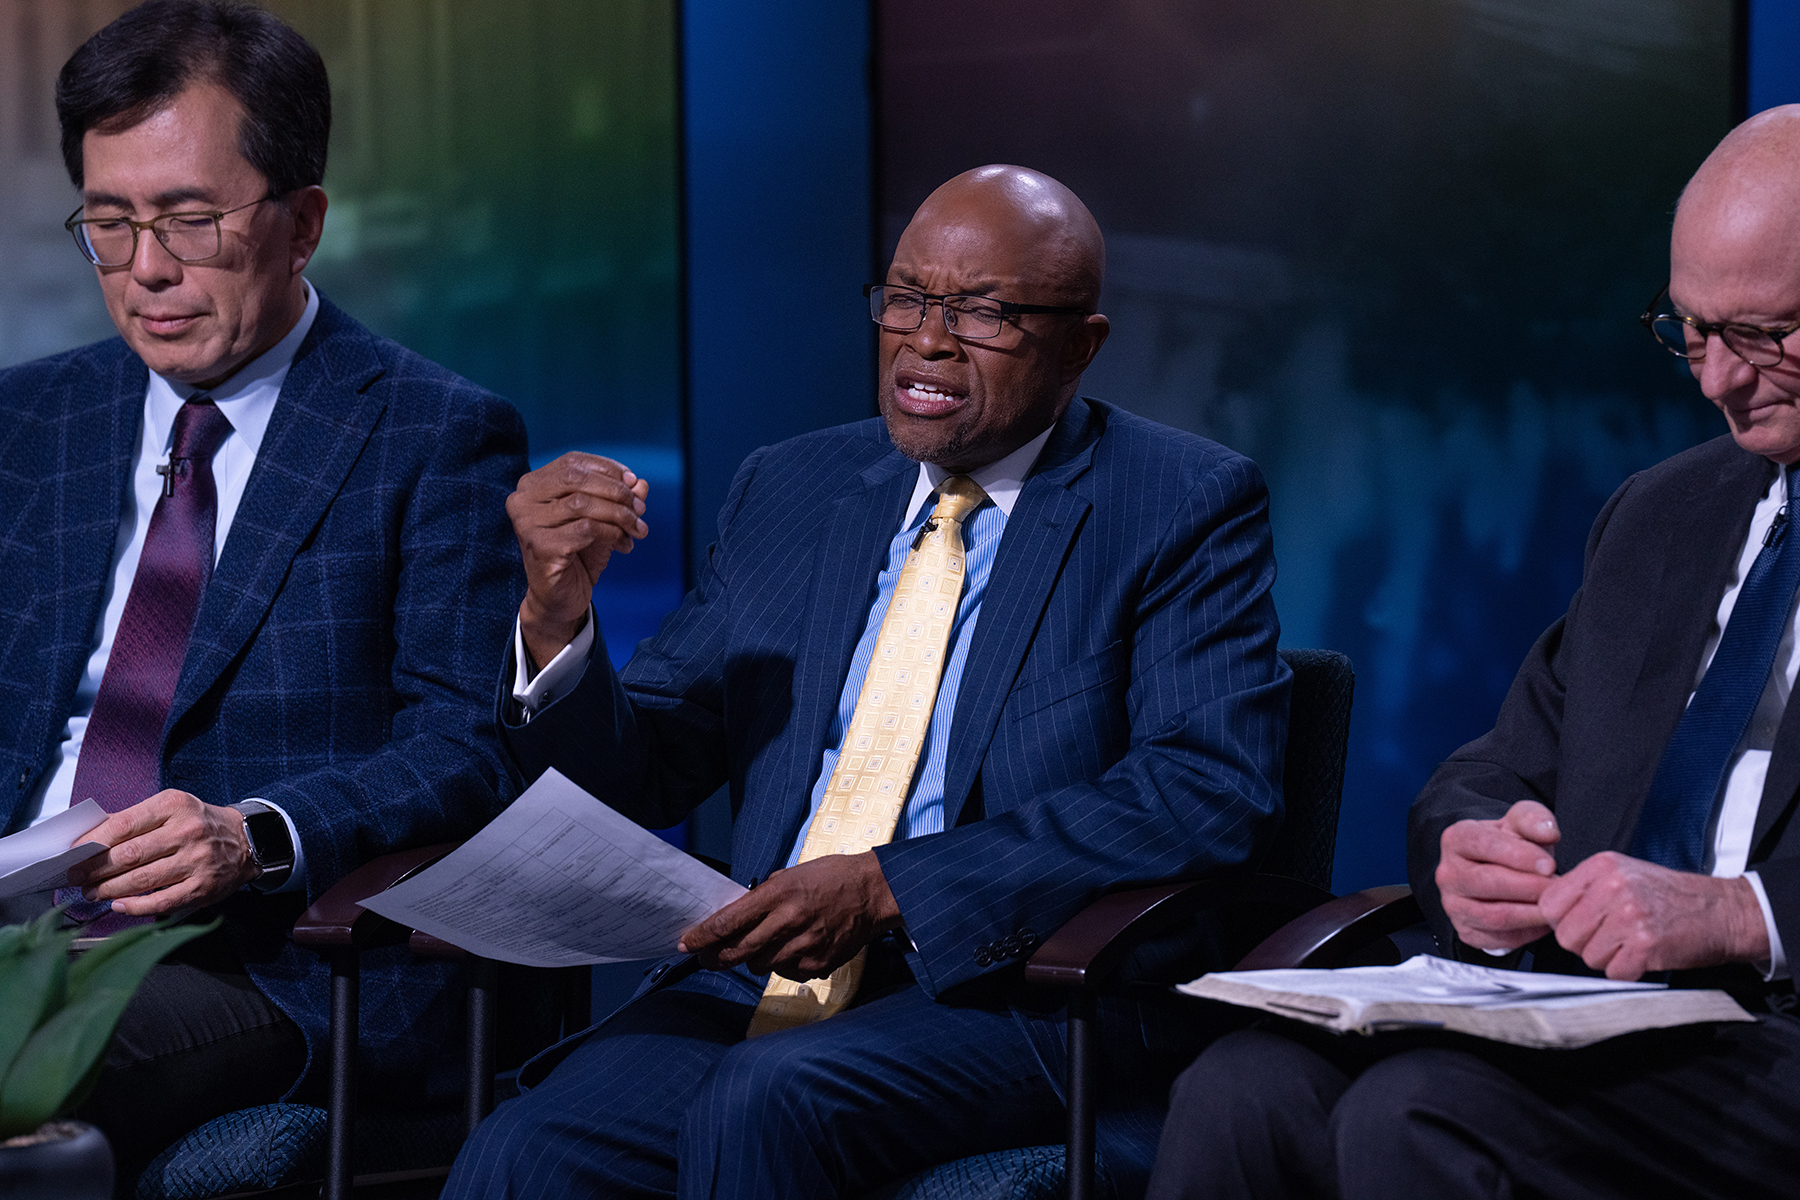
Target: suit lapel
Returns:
[[1783, 779], [1698, 553], [851, 550], [319, 428], [96, 444], [1036, 543]]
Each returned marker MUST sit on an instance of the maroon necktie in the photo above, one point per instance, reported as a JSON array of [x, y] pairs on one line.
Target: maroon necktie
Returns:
[[121, 753]]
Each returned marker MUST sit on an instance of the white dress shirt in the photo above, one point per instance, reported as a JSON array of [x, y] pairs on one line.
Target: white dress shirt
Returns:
[[1736, 822], [247, 401]]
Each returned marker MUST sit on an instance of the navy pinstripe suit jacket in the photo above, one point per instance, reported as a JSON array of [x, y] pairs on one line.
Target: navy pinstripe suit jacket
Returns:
[[343, 657], [1122, 713]]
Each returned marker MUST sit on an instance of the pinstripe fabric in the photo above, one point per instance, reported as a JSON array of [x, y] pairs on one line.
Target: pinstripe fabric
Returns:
[[725, 1109], [897, 693], [1120, 715], [341, 661], [925, 806]]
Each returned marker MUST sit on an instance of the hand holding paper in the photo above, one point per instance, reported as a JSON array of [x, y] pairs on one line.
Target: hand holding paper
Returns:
[[559, 879], [38, 858]]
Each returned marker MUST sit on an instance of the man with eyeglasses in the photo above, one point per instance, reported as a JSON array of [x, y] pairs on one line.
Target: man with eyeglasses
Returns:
[[253, 563], [1632, 813], [963, 668]]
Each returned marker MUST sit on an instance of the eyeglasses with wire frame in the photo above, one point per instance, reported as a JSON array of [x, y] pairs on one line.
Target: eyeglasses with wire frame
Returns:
[[189, 237], [1685, 337], [902, 310]]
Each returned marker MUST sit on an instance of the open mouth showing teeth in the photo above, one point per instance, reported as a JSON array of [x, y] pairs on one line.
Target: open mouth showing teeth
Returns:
[[929, 393]]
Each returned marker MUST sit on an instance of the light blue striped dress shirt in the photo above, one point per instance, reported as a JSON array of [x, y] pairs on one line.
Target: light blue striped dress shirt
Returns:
[[924, 812]]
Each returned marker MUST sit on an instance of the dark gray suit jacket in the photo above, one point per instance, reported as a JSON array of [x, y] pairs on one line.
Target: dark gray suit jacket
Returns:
[[1584, 726]]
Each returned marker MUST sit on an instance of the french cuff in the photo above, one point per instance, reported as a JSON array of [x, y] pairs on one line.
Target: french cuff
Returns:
[[1777, 966], [296, 880], [535, 693]]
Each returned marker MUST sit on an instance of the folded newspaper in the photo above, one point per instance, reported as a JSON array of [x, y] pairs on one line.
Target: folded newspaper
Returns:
[[1524, 1008]]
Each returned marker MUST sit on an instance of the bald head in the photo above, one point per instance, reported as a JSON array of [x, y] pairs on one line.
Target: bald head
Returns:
[[1741, 210], [1037, 210], [1019, 245], [1734, 257]]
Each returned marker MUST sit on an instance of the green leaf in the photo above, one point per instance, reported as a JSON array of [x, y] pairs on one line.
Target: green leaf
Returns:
[[56, 1060], [60, 1060], [123, 959], [95, 957], [84, 1085], [33, 982]]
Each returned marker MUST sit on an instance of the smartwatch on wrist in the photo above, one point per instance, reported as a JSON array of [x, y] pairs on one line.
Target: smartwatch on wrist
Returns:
[[271, 847]]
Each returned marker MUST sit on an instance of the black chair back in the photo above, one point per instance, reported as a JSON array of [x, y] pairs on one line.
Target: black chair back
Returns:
[[1313, 772]]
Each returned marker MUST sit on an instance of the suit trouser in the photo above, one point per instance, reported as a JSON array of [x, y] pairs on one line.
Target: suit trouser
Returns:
[[196, 1041], [1280, 1111], [666, 1098]]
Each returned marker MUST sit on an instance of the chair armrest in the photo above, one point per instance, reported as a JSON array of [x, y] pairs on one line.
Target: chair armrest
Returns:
[[423, 945], [1095, 940], [1330, 933], [335, 919]]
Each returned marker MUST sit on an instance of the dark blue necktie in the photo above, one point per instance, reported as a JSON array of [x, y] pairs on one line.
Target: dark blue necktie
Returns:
[[1671, 829]]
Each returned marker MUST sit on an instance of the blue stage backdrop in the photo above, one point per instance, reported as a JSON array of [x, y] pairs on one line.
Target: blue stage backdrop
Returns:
[[1395, 253]]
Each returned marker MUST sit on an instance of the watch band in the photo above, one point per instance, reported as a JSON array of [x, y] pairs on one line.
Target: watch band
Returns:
[[271, 846]]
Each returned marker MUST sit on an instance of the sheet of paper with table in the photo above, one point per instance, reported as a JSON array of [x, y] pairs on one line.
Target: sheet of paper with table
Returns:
[[559, 880], [1524, 1008], [38, 858]]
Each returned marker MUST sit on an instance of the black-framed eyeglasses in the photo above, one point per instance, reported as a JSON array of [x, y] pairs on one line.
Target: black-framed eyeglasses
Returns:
[[1684, 337], [902, 310], [189, 237]]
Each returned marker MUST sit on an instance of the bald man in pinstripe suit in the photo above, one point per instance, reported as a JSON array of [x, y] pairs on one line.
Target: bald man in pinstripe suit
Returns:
[[1111, 709]]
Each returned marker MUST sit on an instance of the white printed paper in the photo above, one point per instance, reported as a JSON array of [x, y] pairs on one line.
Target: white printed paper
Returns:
[[38, 858], [559, 879]]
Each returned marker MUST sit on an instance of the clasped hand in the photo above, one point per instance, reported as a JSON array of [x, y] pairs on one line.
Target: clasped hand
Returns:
[[804, 922], [168, 852], [1620, 914]]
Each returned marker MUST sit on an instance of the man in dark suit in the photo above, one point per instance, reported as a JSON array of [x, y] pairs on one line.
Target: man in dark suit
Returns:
[[1630, 813], [1110, 708], [253, 563]]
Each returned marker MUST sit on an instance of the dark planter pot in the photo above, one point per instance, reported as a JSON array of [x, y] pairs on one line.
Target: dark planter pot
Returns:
[[63, 1160]]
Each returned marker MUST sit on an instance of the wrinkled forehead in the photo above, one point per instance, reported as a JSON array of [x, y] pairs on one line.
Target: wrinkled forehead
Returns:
[[981, 252]]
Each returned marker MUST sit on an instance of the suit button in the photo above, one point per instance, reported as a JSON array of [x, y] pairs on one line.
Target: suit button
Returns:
[[658, 971], [1028, 941], [983, 956], [1011, 946], [23, 780]]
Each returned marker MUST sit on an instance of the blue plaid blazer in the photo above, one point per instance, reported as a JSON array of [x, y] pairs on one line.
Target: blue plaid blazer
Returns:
[[1122, 714], [343, 658]]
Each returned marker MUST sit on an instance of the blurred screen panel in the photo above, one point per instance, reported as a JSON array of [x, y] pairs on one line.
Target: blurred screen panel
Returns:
[[1395, 252]]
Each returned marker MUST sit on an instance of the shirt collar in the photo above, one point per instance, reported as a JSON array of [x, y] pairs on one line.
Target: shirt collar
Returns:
[[1001, 480], [247, 399]]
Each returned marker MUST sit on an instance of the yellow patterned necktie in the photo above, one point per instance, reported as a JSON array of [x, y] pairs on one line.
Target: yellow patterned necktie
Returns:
[[886, 736]]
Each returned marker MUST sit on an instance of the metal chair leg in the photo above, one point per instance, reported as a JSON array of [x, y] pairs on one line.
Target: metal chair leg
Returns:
[[1080, 1088], [484, 978], [341, 1115]]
